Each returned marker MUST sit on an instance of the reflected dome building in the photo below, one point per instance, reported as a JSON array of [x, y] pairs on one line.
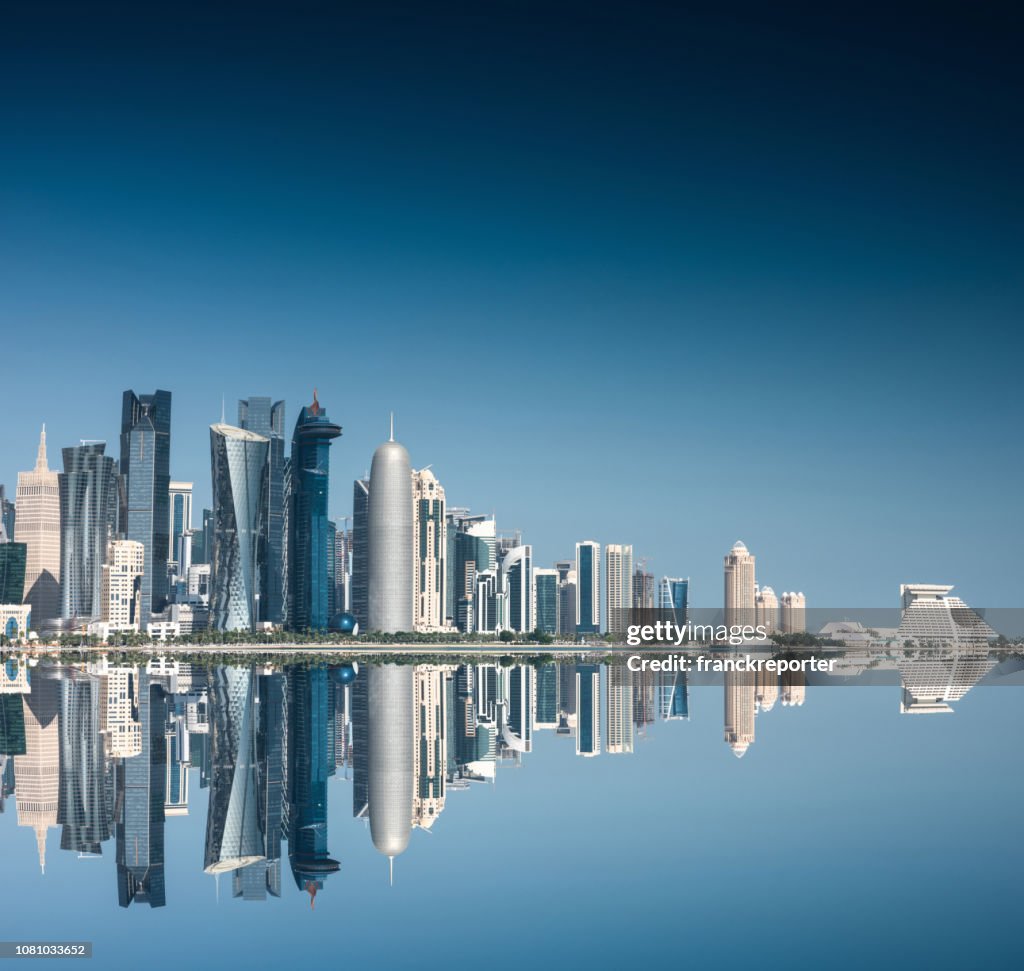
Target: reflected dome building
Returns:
[[390, 540], [390, 762]]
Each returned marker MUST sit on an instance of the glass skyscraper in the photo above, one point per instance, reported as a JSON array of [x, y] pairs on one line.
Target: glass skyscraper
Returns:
[[13, 557], [545, 601], [310, 552], [146, 467], [239, 471], [89, 505], [588, 587], [360, 544], [264, 418]]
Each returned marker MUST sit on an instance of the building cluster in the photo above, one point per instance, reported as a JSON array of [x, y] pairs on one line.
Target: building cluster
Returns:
[[109, 544], [747, 603]]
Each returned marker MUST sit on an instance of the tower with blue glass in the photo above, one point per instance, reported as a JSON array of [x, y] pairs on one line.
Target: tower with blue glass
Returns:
[[310, 549]]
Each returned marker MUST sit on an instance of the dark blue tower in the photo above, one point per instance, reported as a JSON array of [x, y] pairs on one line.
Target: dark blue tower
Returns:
[[309, 532]]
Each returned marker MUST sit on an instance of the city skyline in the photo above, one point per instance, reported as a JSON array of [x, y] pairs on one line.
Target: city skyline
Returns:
[[810, 234]]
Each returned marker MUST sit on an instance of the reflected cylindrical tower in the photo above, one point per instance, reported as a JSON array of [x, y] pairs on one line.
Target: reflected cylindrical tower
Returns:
[[390, 763], [390, 541]]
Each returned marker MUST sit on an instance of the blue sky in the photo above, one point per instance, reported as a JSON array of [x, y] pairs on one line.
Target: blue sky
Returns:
[[642, 277]]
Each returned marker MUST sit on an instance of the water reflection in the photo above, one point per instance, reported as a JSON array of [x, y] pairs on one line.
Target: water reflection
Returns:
[[103, 749]]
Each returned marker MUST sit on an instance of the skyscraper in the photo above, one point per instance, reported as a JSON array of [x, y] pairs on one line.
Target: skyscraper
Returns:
[[120, 598], [739, 710], [517, 586], [13, 557], [545, 601], [766, 609], [619, 586], [740, 584], [360, 597], [37, 772], [37, 525], [264, 418], [180, 522], [310, 552], [588, 710], [430, 549], [146, 467], [390, 540], [390, 751], [89, 505], [588, 587], [673, 595], [239, 468], [8, 514], [794, 613], [643, 589], [619, 681]]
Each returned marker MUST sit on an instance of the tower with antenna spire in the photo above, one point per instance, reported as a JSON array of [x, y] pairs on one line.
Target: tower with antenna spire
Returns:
[[38, 527]]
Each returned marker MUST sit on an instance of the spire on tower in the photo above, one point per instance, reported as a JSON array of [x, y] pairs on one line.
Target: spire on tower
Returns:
[[41, 464], [391, 436]]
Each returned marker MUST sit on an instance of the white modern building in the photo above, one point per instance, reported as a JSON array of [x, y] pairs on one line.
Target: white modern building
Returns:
[[618, 586]]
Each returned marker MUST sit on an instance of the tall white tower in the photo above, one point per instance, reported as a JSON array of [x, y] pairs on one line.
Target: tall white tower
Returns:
[[390, 540], [739, 585]]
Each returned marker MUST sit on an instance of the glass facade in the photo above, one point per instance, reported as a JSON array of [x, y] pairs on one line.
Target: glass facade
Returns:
[[13, 557], [146, 467], [587, 587], [546, 601], [264, 418], [310, 550], [90, 500], [239, 475]]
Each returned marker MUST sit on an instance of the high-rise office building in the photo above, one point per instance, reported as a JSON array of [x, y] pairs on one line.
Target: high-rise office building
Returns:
[[674, 595], [545, 601], [739, 711], [146, 468], [13, 557], [37, 772], [588, 710], [471, 551], [239, 474], [643, 589], [619, 708], [390, 540], [89, 507], [310, 552], [389, 767], [566, 570], [793, 618], [430, 748], [8, 514], [618, 586], [141, 789], [430, 549], [740, 586], [766, 609], [360, 596], [517, 585], [266, 418], [37, 525], [342, 568], [121, 596], [180, 524], [588, 587], [233, 835]]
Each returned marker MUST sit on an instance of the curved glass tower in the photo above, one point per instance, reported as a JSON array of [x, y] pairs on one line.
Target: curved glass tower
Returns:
[[390, 540], [239, 465]]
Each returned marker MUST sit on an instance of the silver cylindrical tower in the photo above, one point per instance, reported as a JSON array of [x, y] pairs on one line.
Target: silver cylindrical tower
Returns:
[[390, 761], [390, 541]]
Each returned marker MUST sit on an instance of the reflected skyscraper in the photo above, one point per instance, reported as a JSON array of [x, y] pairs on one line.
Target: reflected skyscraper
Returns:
[[309, 581], [390, 755], [739, 711], [37, 525], [390, 540], [619, 681], [673, 697], [430, 747], [37, 772], [233, 835], [310, 763], [146, 468], [588, 709], [259, 415], [239, 467], [89, 504], [140, 796], [84, 807]]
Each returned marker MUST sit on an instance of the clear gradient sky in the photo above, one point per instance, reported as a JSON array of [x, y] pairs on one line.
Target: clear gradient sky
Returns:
[[638, 276]]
